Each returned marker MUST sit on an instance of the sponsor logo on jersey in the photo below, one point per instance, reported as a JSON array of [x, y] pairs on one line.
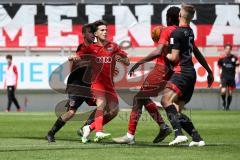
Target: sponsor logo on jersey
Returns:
[[104, 59]]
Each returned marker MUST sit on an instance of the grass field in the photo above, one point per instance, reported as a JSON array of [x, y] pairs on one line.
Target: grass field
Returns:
[[21, 137]]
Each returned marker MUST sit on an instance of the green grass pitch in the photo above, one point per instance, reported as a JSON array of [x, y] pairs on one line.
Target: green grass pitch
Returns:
[[21, 138]]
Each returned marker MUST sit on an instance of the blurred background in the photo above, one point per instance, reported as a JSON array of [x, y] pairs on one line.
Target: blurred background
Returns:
[[41, 34]]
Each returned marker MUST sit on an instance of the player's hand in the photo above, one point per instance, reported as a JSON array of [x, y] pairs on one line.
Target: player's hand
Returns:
[[210, 79], [74, 58], [131, 72]]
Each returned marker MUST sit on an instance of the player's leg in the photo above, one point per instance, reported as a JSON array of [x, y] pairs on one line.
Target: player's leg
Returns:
[[71, 106], [110, 112], [152, 109], [132, 123], [15, 101], [99, 92], [223, 91], [229, 97], [231, 87], [188, 126], [167, 101], [9, 93]]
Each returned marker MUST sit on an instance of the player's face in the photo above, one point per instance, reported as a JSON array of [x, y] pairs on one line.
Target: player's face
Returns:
[[227, 50], [89, 36], [9, 61], [101, 32]]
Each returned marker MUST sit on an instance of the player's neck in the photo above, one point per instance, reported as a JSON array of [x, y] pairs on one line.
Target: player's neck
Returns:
[[183, 22], [101, 42]]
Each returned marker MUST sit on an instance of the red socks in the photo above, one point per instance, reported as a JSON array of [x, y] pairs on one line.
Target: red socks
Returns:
[[98, 121], [153, 111], [133, 121]]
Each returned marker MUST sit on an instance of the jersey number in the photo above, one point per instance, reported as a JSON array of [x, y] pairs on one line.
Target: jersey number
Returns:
[[190, 45]]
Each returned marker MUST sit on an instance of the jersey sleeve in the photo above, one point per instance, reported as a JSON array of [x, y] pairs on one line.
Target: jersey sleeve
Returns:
[[82, 50], [120, 52], [175, 40], [220, 62], [164, 37]]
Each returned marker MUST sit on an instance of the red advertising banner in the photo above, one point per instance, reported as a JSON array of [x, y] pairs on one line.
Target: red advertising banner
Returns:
[[142, 72]]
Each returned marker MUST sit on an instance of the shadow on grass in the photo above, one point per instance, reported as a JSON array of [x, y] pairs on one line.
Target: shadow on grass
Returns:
[[91, 145]]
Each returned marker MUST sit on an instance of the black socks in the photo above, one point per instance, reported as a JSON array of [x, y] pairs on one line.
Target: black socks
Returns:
[[229, 100], [57, 126], [173, 117], [188, 126], [224, 100]]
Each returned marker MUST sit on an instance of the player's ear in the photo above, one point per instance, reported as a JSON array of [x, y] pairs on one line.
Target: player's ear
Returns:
[[95, 34]]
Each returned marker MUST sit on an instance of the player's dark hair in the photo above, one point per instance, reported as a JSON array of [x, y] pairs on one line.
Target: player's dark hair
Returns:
[[9, 56], [173, 16], [98, 23], [228, 45], [87, 26]]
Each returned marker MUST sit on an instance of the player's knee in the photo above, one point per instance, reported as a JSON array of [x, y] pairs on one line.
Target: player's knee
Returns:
[[165, 101], [71, 113], [223, 91]]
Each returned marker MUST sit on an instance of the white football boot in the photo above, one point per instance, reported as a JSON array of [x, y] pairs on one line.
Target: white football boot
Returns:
[[198, 144], [86, 132], [100, 135], [178, 140]]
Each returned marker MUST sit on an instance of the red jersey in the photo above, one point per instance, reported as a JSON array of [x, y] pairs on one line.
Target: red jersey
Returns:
[[104, 61], [164, 39]]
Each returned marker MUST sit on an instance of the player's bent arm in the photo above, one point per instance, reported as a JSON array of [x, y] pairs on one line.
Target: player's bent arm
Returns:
[[201, 59], [153, 55], [204, 63], [125, 60], [173, 56]]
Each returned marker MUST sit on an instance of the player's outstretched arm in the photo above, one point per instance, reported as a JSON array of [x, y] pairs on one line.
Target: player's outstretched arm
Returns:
[[153, 55], [124, 60], [204, 63]]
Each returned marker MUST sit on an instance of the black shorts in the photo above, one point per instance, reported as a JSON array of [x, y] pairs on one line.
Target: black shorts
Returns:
[[228, 83], [74, 101], [183, 84]]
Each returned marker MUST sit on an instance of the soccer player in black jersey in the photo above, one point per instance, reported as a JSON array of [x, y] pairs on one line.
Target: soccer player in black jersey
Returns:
[[78, 86], [228, 63], [180, 87]]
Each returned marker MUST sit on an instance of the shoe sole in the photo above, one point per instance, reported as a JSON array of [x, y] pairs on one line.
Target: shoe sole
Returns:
[[130, 143]]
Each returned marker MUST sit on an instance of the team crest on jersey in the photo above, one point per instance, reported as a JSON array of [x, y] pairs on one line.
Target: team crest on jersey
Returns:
[[110, 48], [72, 103], [233, 59]]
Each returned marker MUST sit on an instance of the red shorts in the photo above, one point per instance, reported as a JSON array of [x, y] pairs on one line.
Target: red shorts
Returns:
[[100, 89], [155, 81]]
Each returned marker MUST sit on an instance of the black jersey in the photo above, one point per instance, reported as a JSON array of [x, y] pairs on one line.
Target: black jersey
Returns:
[[182, 39], [228, 63]]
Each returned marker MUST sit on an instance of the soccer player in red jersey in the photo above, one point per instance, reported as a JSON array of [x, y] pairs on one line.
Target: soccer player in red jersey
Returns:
[[154, 84], [106, 54]]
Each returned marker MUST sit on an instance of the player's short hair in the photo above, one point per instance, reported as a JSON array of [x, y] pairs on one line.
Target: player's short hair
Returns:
[[98, 23], [228, 45], [9, 56], [87, 26], [189, 10], [173, 16]]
